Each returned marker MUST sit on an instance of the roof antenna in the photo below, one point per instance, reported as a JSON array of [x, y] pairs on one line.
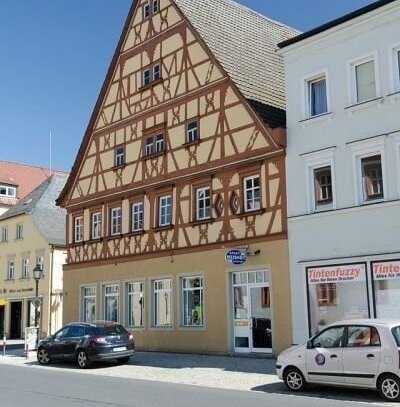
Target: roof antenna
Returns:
[[50, 152]]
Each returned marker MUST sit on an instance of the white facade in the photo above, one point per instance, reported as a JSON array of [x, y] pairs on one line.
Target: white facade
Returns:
[[358, 221]]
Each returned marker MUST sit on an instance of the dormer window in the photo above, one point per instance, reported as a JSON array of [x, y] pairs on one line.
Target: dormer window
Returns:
[[9, 192]]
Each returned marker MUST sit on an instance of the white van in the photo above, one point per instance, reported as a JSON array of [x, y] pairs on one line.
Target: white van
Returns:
[[354, 353]]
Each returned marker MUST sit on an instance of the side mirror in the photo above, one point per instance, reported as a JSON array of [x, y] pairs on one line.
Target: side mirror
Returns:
[[309, 344]]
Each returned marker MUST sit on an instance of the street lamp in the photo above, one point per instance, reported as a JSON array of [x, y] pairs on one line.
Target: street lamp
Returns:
[[37, 275]]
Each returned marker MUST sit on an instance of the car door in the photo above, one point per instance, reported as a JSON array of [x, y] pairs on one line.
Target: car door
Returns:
[[324, 352], [56, 350], [361, 355], [74, 336]]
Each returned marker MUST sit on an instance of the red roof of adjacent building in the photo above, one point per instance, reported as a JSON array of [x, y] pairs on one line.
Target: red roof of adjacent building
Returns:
[[25, 177]]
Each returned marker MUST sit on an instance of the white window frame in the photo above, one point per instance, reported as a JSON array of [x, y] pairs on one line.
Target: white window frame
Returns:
[[119, 158], [137, 209], [19, 233], [192, 135], [114, 215], [394, 49], [78, 229], [149, 148], [26, 267], [97, 225], [163, 203], [11, 192], [245, 189], [204, 199], [132, 293], [111, 295], [4, 234], [159, 143], [10, 269], [315, 161], [365, 149], [160, 291], [156, 6], [85, 296], [157, 65], [40, 262], [146, 6], [306, 92], [352, 80], [187, 289], [147, 70]]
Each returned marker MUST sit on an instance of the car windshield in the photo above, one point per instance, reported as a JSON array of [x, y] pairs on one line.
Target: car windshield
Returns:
[[112, 330], [396, 334]]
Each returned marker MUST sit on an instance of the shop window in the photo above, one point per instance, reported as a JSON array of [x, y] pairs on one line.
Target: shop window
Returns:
[[192, 302], [362, 336], [326, 295], [251, 186], [203, 203], [78, 229], [165, 211], [119, 158], [162, 303], [116, 221], [371, 168], [88, 298], [192, 133], [323, 187], [96, 225], [137, 216], [111, 302], [135, 303]]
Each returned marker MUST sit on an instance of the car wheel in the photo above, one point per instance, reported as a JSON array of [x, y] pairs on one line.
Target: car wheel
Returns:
[[43, 356], [123, 360], [294, 379], [82, 359], [389, 387]]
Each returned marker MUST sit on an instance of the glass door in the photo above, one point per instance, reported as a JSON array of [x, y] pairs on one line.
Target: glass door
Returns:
[[260, 319]]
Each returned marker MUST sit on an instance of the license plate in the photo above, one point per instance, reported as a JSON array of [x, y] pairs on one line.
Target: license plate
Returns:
[[122, 348]]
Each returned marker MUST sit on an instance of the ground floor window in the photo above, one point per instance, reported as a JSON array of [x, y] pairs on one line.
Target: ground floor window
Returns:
[[193, 303], [135, 303], [89, 304], [335, 293], [31, 314], [111, 302], [162, 302]]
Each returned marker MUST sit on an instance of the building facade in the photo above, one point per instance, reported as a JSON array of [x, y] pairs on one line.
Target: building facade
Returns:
[[33, 233], [343, 168], [176, 206]]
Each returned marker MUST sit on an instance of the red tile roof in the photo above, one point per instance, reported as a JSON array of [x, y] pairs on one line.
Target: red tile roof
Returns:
[[25, 177]]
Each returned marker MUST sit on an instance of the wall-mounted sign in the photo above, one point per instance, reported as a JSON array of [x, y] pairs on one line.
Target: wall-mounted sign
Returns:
[[345, 273], [386, 270], [235, 256]]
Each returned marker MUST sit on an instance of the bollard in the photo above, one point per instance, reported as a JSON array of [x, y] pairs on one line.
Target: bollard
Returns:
[[4, 345], [26, 348]]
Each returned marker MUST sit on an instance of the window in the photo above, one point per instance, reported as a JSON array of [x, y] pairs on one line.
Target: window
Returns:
[[25, 268], [116, 218], [9, 192], [193, 303], [89, 304], [192, 132], [330, 338], [10, 270], [317, 97], [76, 331], [111, 302], [165, 210], [203, 203], [146, 77], [149, 146], [396, 70], [326, 295], [151, 74], [396, 334], [119, 156], [19, 234], [78, 229], [323, 186], [146, 9], [252, 193], [40, 262], [162, 293], [137, 216], [362, 336], [156, 72], [155, 6], [159, 143], [154, 144], [4, 234], [371, 168], [135, 295], [96, 225], [365, 81]]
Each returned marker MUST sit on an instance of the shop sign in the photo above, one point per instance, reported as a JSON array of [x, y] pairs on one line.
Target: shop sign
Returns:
[[236, 256], [386, 270], [336, 274]]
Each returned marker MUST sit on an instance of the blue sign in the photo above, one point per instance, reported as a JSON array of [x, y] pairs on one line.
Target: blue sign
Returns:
[[235, 256]]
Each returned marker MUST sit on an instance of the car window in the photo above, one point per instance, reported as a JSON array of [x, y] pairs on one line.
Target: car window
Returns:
[[113, 330], [76, 331], [362, 336], [396, 334], [330, 338], [91, 330], [62, 332]]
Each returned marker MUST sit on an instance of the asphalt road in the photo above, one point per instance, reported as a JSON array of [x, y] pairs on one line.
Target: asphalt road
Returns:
[[37, 387]]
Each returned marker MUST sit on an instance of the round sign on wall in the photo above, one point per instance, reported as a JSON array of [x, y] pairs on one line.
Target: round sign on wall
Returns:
[[235, 256], [320, 359]]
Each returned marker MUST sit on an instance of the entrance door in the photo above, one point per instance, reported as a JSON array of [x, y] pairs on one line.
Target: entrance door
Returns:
[[2, 307], [260, 319], [15, 317]]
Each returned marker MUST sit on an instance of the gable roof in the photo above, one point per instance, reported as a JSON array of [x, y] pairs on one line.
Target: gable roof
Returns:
[[40, 205], [25, 177], [243, 41]]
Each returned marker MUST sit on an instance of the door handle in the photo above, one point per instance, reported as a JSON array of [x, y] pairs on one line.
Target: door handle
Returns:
[[370, 356], [333, 356]]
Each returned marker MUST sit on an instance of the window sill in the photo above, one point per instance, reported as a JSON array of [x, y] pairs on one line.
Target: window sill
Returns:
[[96, 240], [161, 228], [252, 213], [118, 167], [136, 233], [25, 278], [373, 201], [150, 85], [155, 155], [316, 119], [202, 222], [116, 236], [81, 242], [191, 143], [368, 103], [9, 279]]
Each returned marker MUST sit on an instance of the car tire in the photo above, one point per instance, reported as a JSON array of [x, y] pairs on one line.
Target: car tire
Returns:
[[82, 359], [294, 379], [43, 356], [389, 387], [124, 360]]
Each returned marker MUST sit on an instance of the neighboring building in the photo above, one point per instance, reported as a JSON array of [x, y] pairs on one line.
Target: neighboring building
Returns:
[[32, 232], [18, 180], [182, 160], [343, 168]]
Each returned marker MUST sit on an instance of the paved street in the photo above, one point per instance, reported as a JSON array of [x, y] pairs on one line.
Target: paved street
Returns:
[[157, 379]]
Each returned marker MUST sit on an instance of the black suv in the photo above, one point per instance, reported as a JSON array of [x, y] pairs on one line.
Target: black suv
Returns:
[[86, 343]]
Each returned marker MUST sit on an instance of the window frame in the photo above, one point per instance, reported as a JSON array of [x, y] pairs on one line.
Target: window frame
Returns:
[[78, 238], [133, 205], [344, 336], [84, 296], [4, 234], [96, 223], [160, 208], [346, 342], [11, 269], [119, 157], [158, 142], [306, 82], [154, 302], [323, 203], [146, 10], [144, 77], [394, 63], [155, 10], [183, 290], [189, 132], [204, 199], [9, 188], [19, 232], [117, 295], [245, 189], [25, 268], [142, 295], [112, 210], [366, 196], [156, 76]]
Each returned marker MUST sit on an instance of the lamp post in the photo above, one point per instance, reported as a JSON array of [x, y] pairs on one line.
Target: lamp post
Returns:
[[37, 275]]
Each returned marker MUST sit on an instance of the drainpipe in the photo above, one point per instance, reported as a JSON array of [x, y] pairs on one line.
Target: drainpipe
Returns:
[[50, 286]]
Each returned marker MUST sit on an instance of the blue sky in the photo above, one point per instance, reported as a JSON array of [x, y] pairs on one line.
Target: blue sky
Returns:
[[54, 56]]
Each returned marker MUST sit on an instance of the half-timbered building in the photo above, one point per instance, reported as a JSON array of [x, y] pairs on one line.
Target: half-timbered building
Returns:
[[176, 221]]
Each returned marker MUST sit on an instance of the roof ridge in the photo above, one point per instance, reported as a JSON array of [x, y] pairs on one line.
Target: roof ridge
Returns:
[[32, 166]]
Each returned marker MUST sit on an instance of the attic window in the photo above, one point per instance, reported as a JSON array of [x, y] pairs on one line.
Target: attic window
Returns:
[[10, 192], [151, 74], [151, 7]]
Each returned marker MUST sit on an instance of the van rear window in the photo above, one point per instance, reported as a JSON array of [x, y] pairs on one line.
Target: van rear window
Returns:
[[396, 334]]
